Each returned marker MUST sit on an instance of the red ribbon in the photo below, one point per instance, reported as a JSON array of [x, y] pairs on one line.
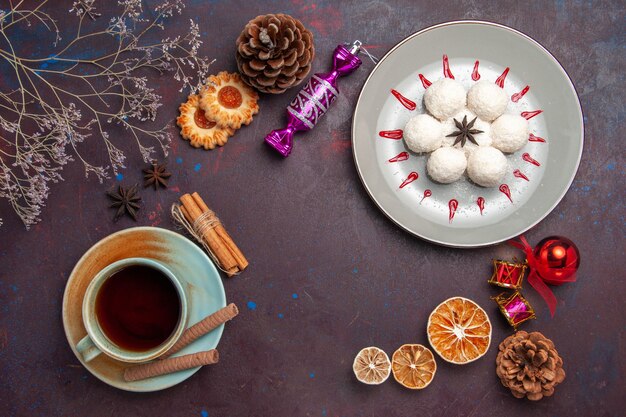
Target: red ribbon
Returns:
[[538, 282]]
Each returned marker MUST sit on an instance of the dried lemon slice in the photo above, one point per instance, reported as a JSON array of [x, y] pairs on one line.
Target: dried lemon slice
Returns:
[[459, 330], [413, 366], [371, 366]]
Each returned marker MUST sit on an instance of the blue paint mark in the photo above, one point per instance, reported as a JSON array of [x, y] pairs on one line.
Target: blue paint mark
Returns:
[[281, 315], [14, 287], [355, 270], [119, 177], [596, 222], [323, 411], [197, 167], [179, 160], [611, 166], [294, 296], [311, 375], [251, 305], [204, 413], [586, 188]]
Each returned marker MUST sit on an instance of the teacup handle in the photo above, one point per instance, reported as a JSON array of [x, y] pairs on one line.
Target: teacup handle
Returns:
[[87, 349]]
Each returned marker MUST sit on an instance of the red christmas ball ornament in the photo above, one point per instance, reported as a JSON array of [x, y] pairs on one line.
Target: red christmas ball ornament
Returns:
[[556, 260]]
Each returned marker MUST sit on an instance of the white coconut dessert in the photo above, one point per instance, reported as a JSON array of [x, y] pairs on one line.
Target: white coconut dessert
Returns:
[[444, 98], [486, 166], [450, 127], [487, 100], [423, 133], [446, 165], [509, 133]]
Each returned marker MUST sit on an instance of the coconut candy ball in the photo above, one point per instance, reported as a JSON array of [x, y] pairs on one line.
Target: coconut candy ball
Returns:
[[487, 100], [446, 165], [449, 127], [486, 166], [444, 98], [509, 133], [423, 133]]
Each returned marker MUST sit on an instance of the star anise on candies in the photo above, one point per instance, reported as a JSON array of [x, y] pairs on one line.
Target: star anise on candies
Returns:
[[126, 200], [465, 132], [156, 175]]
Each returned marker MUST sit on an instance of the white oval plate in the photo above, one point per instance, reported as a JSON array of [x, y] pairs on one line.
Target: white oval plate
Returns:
[[425, 208]]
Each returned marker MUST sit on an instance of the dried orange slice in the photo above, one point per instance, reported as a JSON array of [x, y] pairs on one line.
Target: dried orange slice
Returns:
[[413, 366], [371, 366], [459, 330]]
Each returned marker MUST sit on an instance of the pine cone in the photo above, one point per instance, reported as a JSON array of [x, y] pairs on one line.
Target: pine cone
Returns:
[[274, 53], [529, 365]]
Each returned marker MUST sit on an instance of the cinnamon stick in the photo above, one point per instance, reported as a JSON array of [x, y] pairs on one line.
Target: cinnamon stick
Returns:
[[210, 236], [168, 366], [242, 262], [203, 327]]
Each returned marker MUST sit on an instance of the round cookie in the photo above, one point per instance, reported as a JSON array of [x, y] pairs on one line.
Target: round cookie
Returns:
[[197, 129], [228, 101]]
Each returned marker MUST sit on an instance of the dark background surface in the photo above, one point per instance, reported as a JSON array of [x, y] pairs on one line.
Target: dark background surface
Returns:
[[329, 273]]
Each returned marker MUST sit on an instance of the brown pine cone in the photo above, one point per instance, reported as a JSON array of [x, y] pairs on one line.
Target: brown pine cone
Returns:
[[274, 53], [529, 365]]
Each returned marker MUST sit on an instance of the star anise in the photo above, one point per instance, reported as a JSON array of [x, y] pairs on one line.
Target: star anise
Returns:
[[126, 200], [156, 175], [465, 132]]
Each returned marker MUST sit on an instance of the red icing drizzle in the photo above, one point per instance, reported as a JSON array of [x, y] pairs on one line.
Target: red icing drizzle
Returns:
[[403, 100], [391, 134], [446, 67], [412, 177], [504, 189], [533, 138], [475, 74], [517, 96], [402, 156], [481, 204], [530, 114], [519, 174], [526, 157], [501, 78], [424, 81], [452, 206], [427, 193]]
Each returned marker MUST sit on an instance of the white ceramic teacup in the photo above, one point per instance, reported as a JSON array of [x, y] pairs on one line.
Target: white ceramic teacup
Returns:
[[96, 341]]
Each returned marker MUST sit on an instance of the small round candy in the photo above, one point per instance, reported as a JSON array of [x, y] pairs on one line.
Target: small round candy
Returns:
[[423, 133], [487, 100], [509, 133], [446, 165], [486, 166], [444, 98]]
